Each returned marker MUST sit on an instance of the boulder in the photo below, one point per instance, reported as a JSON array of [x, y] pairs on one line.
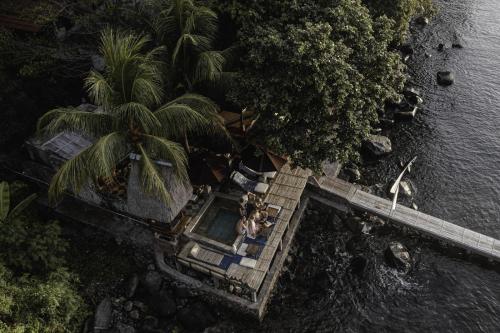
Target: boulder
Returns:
[[128, 306], [103, 315], [134, 314], [353, 173], [150, 322], [406, 115], [378, 145], [398, 256], [153, 282], [422, 20], [196, 317], [124, 328], [131, 287], [445, 78], [406, 49], [163, 305]]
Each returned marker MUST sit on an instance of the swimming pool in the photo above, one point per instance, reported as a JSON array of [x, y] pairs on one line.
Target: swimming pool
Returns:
[[215, 224]]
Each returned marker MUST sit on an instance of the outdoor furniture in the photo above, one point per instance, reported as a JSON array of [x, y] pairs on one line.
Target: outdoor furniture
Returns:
[[248, 185], [256, 174], [206, 256]]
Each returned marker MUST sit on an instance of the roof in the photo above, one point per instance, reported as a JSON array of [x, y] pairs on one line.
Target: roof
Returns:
[[66, 144]]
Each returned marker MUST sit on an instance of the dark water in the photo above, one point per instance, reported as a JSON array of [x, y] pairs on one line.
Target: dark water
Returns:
[[457, 176]]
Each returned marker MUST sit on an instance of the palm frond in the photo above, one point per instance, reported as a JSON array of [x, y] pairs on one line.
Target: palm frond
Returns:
[[96, 160], [199, 43], [71, 119], [73, 174], [20, 207], [152, 181], [138, 114], [99, 89], [164, 149], [4, 200], [209, 66], [179, 119]]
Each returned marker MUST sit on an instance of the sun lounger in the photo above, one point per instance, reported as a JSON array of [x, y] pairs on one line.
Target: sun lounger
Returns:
[[206, 256], [253, 173], [247, 184]]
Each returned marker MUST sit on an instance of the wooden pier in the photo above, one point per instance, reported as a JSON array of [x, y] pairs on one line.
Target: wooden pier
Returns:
[[353, 197]]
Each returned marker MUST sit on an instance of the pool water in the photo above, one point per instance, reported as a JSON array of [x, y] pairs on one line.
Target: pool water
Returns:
[[219, 221]]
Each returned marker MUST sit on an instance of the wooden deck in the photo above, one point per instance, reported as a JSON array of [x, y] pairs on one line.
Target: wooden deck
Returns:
[[451, 233]]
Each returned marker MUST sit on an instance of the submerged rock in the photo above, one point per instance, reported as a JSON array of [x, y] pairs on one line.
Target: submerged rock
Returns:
[[440, 47], [457, 46], [378, 145], [103, 315], [445, 78], [422, 20], [398, 256], [358, 265], [132, 284]]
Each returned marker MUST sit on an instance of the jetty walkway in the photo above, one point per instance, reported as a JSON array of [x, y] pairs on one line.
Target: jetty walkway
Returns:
[[352, 196]]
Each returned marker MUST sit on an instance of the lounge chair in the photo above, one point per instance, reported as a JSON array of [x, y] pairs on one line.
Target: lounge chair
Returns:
[[247, 184], [206, 256], [253, 173]]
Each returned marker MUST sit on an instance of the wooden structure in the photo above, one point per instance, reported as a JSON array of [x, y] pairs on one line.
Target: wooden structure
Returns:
[[285, 192], [355, 198]]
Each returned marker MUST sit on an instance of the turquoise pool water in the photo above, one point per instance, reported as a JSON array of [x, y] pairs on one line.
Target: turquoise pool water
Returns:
[[219, 221]]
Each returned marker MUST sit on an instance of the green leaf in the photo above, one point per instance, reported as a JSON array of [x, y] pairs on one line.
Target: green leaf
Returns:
[[20, 207]]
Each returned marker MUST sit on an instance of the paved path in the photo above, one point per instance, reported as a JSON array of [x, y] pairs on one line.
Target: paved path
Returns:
[[451, 233]]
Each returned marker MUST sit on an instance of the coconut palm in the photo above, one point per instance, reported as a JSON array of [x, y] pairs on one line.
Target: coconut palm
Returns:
[[128, 92], [189, 32]]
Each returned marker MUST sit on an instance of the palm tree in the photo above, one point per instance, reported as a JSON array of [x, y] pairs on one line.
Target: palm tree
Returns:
[[128, 92], [189, 32]]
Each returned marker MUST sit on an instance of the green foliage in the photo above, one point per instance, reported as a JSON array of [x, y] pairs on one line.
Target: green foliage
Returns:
[[401, 12], [37, 294], [33, 304], [129, 91], [316, 72]]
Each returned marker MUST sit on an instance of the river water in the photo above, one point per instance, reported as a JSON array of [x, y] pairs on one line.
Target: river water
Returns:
[[457, 176]]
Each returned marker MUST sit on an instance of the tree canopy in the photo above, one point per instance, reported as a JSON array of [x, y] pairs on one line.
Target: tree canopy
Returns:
[[316, 72]]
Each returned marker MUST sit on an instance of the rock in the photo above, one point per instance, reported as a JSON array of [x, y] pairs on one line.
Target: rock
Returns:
[[385, 123], [397, 256], [440, 47], [150, 322], [123, 328], [406, 49], [182, 292], [457, 46], [411, 92], [445, 78], [422, 20], [196, 317], [134, 314], [358, 265], [103, 315], [61, 33], [128, 306], [365, 228], [153, 282], [164, 305], [414, 206], [353, 173], [141, 306], [405, 188], [378, 145], [353, 223], [406, 115], [98, 62], [427, 55], [132, 284], [151, 267]]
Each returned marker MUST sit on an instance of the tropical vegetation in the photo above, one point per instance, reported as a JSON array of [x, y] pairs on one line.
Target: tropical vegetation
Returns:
[[37, 293], [132, 118]]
